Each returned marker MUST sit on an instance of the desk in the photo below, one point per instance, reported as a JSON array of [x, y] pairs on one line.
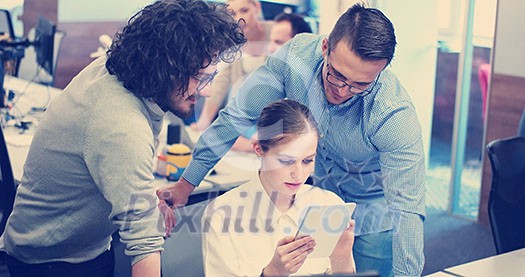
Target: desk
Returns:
[[29, 94], [439, 274], [232, 170], [507, 264], [17, 147]]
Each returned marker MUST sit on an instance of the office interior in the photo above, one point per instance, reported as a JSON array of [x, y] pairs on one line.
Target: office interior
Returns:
[[461, 61]]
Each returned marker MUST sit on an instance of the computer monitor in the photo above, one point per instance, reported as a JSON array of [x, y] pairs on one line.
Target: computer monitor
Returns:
[[44, 43], [271, 9]]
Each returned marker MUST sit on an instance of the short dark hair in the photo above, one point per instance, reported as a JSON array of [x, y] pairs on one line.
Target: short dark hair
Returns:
[[299, 25], [169, 41], [368, 32], [282, 121]]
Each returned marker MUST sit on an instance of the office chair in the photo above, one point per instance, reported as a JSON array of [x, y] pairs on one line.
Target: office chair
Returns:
[[182, 255], [506, 206], [484, 79], [521, 126], [7, 184]]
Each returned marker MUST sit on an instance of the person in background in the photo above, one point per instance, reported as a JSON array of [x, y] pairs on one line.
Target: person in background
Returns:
[[89, 171], [254, 53], [370, 149], [286, 147], [285, 27]]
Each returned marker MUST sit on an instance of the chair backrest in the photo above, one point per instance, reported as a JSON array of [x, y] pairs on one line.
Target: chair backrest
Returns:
[[484, 79], [521, 126], [506, 206], [182, 255], [7, 184], [6, 24], [28, 65]]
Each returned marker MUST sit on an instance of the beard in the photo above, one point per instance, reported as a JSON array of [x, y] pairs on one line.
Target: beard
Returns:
[[179, 112], [171, 103]]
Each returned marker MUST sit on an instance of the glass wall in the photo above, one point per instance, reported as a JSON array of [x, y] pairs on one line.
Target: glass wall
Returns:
[[466, 36]]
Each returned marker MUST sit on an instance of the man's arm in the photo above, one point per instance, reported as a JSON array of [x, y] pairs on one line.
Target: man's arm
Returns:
[[407, 244], [263, 86], [402, 160], [124, 177], [149, 266]]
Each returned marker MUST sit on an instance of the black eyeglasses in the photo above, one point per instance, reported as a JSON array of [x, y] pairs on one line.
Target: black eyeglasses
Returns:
[[354, 89], [205, 81]]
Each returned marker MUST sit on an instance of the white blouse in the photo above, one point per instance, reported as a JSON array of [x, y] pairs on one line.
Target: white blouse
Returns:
[[241, 228]]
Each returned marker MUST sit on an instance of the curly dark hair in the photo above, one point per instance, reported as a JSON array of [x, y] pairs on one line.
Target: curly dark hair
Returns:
[[168, 42]]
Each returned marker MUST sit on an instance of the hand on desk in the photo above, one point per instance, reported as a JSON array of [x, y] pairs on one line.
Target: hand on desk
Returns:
[[173, 196]]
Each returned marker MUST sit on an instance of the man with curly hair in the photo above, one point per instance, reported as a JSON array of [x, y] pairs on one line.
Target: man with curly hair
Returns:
[[89, 171]]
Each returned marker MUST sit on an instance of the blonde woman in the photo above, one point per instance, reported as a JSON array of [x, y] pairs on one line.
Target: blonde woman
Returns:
[[249, 231], [254, 53]]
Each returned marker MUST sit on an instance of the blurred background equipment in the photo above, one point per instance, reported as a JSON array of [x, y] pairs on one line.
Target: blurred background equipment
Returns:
[[42, 45]]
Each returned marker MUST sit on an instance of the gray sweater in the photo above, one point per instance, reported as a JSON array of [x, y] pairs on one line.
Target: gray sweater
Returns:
[[89, 172]]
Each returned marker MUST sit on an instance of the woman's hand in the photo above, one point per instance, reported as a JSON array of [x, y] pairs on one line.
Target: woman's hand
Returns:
[[289, 256], [342, 260]]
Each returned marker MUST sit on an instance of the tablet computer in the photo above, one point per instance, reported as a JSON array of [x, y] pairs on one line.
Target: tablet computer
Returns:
[[325, 223]]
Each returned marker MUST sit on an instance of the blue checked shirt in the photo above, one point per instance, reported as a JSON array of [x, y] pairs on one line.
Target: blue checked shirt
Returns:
[[370, 148]]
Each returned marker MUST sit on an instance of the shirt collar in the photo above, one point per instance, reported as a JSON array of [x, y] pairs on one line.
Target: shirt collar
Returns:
[[153, 108], [156, 115], [267, 211]]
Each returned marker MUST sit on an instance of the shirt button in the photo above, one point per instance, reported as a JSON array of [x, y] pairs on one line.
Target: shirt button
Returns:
[[321, 135]]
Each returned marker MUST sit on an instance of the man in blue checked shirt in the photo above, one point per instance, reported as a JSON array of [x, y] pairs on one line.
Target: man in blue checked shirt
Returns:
[[370, 149]]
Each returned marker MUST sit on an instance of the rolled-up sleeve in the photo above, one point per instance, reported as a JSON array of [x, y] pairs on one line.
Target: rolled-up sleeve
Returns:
[[402, 161], [120, 161]]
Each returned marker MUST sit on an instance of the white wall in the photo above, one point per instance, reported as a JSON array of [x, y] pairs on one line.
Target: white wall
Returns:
[[329, 12], [98, 10], [112, 10], [509, 42], [416, 55]]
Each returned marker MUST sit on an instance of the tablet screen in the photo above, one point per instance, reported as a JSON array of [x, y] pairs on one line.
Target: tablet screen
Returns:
[[325, 223]]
